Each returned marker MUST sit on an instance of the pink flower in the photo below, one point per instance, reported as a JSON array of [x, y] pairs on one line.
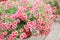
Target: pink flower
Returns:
[[11, 38], [7, 39], [37, 15], [1, 24], [13, 16], [21, 30], [40, 20], [18, 12], [24, 16], [15, 33], [14, 26], [30, 24], [3, 14], [23, 35], [48, 9], [54, 7], [32, 12], [4, 33], [15, 22], [25, 2], [26, 27], [1, 38], [26, 7], [18, 21], [8, 25], [58, 2], [34, 23], [34, 8]]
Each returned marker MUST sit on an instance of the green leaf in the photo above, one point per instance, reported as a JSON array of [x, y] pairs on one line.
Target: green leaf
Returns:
[[48, 2], [28, 12], [7, 11], [47, 21], [7, 31], [21, 4], [58, 10], [55, 3], [43, 16], [9, 19], [0, 11], [20, 25], [39, 10], [14, 9], [33, 18], [11, 10], [19, 33]]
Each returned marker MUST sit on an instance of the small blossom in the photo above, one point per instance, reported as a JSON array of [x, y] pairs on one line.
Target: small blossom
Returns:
[[23, 35], [4, 33], [21, 30]]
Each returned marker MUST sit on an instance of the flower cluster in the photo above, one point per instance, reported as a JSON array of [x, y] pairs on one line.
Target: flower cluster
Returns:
[[22, 19]]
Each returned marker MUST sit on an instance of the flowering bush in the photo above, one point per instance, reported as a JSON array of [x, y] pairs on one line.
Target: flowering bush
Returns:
[[25, 18]]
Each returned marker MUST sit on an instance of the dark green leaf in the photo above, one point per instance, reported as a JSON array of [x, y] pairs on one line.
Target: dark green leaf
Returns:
[[20, 25], [55, 3], [48, 2], [7, 11], [58, 10]]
